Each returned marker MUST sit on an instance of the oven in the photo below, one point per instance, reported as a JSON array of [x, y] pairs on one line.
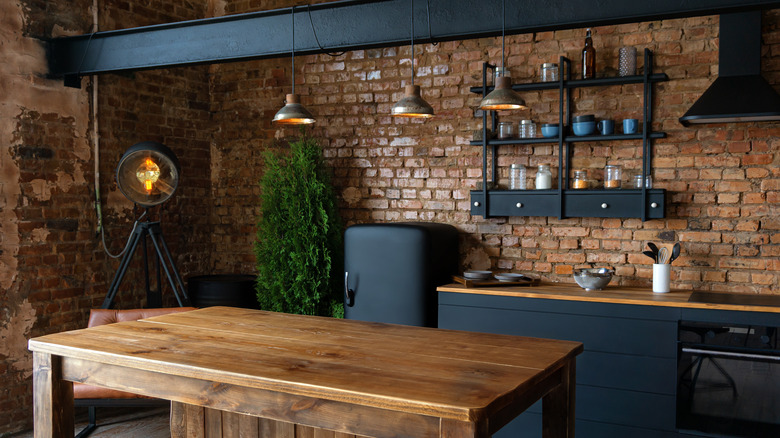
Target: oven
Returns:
[[728, 380]]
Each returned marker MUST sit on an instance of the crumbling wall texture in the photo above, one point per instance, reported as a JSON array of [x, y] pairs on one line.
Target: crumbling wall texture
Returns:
[[52, 265]]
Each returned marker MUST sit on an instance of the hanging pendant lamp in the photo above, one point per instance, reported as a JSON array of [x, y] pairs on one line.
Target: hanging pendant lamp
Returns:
[[503, 97], [412, 104], [293, 113]]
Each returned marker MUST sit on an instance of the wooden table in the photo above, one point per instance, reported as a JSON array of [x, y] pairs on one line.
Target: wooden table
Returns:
[[351, 377]]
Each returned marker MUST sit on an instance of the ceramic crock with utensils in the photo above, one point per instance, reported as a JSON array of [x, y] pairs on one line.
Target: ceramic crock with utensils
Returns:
[[662, 265]]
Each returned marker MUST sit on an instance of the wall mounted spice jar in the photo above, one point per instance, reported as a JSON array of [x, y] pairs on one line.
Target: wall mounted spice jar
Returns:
[[580, 180], [549, 72], [543, 177], [506, 130], [612, 177], [516, 177], [527, 129]]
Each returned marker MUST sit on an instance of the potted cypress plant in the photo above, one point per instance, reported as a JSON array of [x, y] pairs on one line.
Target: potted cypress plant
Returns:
[[299, 234]]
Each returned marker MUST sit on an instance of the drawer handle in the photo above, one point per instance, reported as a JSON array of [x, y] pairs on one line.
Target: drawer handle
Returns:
[[654, 205], [477, 204], [604, 205], [519, 205]]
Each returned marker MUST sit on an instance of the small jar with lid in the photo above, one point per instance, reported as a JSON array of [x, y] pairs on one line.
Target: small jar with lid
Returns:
[[527, 129], [636, 181], [543, 177], [612, 177], [506, 130], [516, 177], [580, 180], [549, 72]]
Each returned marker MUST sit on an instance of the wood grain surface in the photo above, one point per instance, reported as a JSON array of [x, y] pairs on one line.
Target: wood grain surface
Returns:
[[610, 294], [345, 376]]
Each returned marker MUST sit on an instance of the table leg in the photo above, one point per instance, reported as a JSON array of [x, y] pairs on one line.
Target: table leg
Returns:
[[558, 406], [52, 398]]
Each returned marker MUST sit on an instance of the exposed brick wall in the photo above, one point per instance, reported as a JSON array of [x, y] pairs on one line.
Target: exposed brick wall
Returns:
[[52, 265], [721, 179]]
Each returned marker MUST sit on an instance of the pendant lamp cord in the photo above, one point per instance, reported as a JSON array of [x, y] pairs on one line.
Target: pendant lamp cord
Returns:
[[411, 2], [293, 49], [503, 33]]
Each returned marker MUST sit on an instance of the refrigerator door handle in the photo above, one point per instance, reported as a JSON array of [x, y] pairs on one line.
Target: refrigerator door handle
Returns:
[[349, 294]]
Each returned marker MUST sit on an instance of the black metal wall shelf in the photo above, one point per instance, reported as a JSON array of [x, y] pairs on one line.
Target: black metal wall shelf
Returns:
[[563, 202], [571, 139], [582, 83]]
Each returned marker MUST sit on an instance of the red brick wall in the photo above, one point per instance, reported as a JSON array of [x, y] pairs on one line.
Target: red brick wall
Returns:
[[721, 179], [52, 265]]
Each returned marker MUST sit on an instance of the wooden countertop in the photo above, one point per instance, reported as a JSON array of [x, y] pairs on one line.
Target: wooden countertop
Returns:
[[613, 294]]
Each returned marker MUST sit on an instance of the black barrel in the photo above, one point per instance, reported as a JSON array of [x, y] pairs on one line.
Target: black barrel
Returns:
[[234, 290]]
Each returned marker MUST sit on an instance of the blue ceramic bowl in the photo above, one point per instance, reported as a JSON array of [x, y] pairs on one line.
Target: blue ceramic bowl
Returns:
[[550, 130], [583, 128]]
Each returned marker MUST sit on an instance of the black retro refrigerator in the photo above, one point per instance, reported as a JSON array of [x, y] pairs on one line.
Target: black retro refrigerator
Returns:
[[391, 271]]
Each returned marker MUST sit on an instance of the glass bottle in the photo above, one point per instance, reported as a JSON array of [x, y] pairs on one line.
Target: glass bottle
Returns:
[[516, 177], [543, 177], [612, 177], [580, 180], [588, 58]]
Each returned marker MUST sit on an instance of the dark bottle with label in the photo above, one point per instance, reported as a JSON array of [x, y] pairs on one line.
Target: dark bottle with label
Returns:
[[588, 58]]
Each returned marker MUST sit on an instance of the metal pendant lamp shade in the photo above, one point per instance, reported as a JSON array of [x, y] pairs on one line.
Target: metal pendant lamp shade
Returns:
[[293, 113], [412, 105], [503, 97]]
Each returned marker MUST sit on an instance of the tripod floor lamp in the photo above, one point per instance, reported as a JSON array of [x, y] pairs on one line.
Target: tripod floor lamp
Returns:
[[148, 174]]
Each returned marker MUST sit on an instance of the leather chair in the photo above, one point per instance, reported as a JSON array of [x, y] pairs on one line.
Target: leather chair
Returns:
[[93, 397]]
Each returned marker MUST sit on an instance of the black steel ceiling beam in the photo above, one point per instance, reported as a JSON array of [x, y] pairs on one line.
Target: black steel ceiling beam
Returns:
[[350, 25]]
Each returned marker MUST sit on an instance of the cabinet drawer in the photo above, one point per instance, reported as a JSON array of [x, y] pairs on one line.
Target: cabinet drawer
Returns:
[[597, 333], [617, 203], [517, 203], [631, 372]]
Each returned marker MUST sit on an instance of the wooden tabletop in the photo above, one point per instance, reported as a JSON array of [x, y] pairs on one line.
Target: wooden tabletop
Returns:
[[458, 375], [611, 294]]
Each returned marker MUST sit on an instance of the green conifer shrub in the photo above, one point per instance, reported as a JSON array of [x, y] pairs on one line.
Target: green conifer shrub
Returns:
[[299, 248]]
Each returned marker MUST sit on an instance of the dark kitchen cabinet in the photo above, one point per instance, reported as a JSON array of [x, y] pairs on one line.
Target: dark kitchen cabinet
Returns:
[[627, 375], [564, 202]]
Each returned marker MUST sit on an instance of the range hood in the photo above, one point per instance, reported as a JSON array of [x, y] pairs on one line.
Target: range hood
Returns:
[[739, 94]]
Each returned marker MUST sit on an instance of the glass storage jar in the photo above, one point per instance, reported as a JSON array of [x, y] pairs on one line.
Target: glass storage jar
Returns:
[[580, 180], [516, 177], [527, 129], [612, 176], [549, 72], [505, 130], [543, 177], [636, 181]]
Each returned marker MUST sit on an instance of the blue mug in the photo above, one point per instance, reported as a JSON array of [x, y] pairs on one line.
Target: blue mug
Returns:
[[606, 127], [630, 126]]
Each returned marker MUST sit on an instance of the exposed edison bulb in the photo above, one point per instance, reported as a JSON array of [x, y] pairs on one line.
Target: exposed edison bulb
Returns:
[[148, 173]]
